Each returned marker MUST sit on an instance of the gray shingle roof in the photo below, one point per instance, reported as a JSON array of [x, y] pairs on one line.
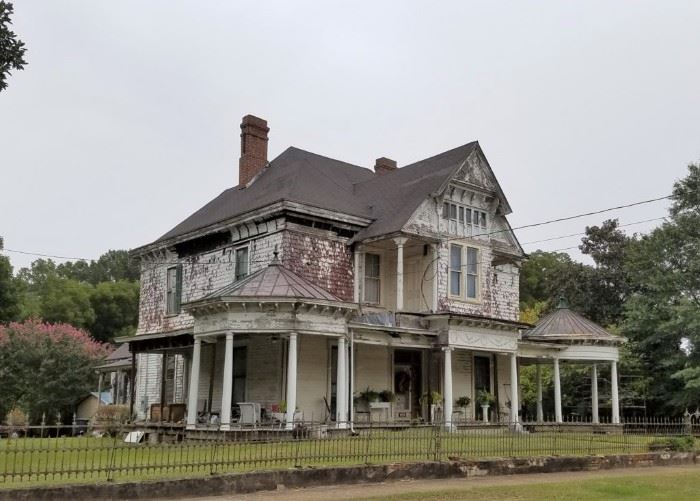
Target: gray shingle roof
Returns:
[[564, 324], [300, 176], [274, 281]]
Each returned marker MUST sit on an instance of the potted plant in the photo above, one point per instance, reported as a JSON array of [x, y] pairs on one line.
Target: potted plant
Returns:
[[461, 404], [434, 400], [387, 396], [486, 399]]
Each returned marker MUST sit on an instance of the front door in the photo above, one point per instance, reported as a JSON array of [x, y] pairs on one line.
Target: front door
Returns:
[[407, 384]]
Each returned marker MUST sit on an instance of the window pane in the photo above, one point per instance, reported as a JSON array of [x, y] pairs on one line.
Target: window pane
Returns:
[[455, 279], [471, 286], [372, 265], [171, 291], [372, 282], [456, 257], [475, 218], [453, 211], [461, 214], [483, 219], [372, 290], [469, 216], [241, 263], [445, 210], [472, 256]]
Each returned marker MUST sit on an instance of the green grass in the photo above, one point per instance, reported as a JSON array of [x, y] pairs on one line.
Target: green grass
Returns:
[[678, 486], [32, 461]]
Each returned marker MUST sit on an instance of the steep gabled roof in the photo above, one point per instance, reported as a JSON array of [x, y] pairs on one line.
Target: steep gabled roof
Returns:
[[564, 324], [296, 175], [273, 281]]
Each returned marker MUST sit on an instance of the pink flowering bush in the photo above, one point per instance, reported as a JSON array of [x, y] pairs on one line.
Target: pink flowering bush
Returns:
[[46, 368]]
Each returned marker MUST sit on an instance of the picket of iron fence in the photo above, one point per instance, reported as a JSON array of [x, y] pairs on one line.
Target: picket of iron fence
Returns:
[[58, 454]]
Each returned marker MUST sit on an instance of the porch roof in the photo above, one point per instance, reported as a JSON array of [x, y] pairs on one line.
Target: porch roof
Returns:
[[565, 325]]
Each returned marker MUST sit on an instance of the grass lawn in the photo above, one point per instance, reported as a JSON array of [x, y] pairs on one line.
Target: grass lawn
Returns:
[[676, 486], [32, 461]]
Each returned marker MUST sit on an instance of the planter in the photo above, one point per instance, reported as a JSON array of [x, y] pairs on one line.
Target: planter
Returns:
[[485, 413]]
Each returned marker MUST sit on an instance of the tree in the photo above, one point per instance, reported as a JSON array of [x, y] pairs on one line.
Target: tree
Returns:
[[9, 293], [116, 309], [112, 266], [46, 368], [662, 314], [67, 301], [11, 47]]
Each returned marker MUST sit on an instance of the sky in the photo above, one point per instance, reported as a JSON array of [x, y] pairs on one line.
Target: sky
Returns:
[[126, 118]]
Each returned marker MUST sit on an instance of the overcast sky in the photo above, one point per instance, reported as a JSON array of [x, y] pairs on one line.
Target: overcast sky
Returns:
[[126, 119]]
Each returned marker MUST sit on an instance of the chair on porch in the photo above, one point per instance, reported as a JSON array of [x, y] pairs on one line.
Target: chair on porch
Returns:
[[250, 413]]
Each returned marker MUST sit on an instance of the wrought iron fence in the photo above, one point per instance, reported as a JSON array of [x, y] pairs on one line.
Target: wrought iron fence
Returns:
[[60, 454]]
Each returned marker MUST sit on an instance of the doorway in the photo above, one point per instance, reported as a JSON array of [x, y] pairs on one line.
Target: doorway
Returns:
[[407, 380]]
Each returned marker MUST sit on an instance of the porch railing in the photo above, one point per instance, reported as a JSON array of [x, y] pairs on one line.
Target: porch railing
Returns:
[[69, 454]]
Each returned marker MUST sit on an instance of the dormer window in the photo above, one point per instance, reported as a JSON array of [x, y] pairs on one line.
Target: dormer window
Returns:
[[464, 215]]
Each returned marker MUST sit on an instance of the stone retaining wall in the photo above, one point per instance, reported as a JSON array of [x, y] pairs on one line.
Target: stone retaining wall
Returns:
[[310, 477]]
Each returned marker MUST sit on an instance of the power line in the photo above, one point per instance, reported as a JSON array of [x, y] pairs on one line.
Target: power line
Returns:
[[494, 232], [583, 233]]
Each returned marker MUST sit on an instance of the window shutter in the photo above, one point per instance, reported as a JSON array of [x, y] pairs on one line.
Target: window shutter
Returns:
[[178, 288]]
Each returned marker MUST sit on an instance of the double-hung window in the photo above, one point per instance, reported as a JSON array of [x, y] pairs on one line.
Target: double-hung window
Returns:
[[464, 272], [455, 270], [173, 290], [372, 280], [241, 263]]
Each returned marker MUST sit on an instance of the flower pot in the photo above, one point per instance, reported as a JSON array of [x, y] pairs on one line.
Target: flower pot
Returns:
[[485, 413]]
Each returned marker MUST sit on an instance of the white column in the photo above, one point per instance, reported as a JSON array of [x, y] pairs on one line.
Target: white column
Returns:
[[447, 387], [227, 392], [436, 268], [194, 385], [357, 276], [399, 272], [540, 411], [615, 396], [594, 393], [291, 380], [341, 384], [351, 400], [514, 388], [557, 393], [99, 390]]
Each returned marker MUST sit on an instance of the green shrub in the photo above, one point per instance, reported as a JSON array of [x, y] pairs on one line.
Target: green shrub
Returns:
[[680, 444]]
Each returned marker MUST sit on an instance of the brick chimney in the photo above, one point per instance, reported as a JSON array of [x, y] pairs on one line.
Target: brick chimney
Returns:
[[253, 148], [384, 165]]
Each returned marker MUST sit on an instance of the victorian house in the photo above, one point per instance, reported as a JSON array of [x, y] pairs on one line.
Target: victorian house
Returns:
[[314, 285]]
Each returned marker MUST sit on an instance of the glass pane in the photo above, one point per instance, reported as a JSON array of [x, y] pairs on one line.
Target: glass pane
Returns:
[[453, 211], [456, 257], [372, 265], [483, 219], [371, 290], [471, 286], [461, 214], [455, 279], [482, 373], [445, 210], [475, 218], [472, 256], [469, 216]]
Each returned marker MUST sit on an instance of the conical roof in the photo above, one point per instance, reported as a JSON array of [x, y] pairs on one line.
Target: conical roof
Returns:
[[564, 324], [274, 281]]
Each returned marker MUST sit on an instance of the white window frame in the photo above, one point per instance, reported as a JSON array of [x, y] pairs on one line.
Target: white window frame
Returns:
[[464, 273], [235, 260], [378, 278]]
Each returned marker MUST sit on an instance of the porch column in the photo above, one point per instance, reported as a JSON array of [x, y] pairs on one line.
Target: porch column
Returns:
[[399, 272], [557, 393], [540, 411], [594, 393], [163, 374], [341, 397], [615, 396], [132, 390], [357, 275], [291, 380], [192, 392], [447, 387], [99, 389], [227, 394], [514, 388], [436, 268]]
